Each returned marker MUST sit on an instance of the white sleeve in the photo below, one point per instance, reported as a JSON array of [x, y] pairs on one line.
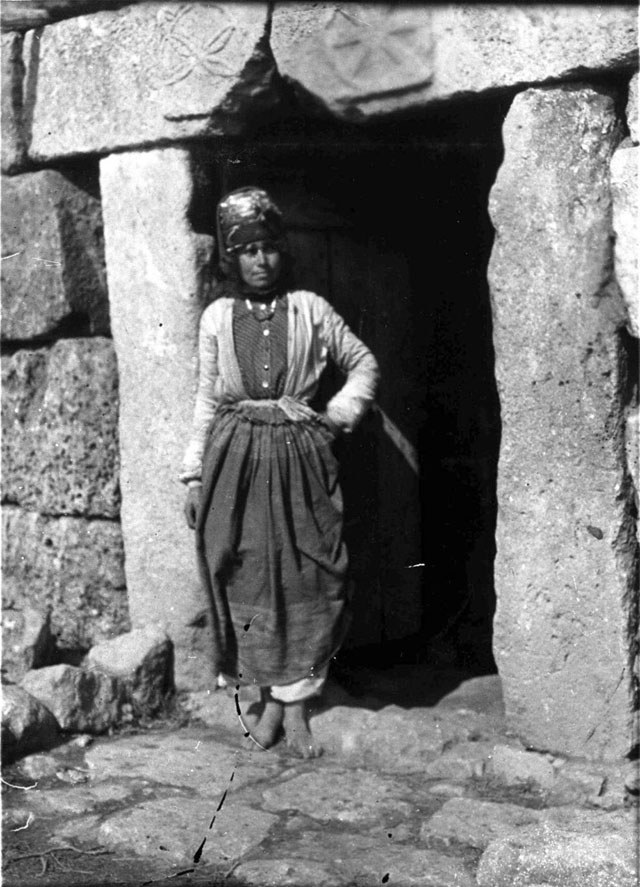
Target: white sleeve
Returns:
[[206, 402], [360, 367]]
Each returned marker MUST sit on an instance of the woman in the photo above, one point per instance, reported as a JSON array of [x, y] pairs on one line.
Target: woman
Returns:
[[263, 490]]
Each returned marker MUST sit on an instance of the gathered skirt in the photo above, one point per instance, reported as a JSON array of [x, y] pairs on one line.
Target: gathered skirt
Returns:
[[270, 546]]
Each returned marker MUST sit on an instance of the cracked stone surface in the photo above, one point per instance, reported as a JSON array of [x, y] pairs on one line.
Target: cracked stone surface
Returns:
[[149, 804], [349, 796]]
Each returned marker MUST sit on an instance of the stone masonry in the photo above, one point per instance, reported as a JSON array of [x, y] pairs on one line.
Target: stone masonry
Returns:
[[566, 544], [61, 539], [155, 265], [94, 428]]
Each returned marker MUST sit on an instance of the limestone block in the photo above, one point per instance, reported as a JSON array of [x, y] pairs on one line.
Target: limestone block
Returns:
[[14, 145], [363, 60], [143, 662], [27, 725], [71, 566], [59, 416], [595, 850], [82, 701], [154, 267], [632, 110], [625, 170], [27, 641], [146, 73], [566, 534], [54, 266]]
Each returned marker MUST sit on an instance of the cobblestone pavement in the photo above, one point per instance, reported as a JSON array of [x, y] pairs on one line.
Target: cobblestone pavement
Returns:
[[434, 794]]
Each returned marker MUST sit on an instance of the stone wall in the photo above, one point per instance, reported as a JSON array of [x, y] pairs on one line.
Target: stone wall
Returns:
[[153, 76], [153, 73], [566, 566], [62, 543]]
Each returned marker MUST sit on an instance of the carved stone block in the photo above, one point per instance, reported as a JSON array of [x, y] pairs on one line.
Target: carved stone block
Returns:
[[363, 60], [145, 74]]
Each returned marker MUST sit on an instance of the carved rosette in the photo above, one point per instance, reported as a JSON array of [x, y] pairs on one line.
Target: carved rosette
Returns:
[[378, 49], [190, 42]]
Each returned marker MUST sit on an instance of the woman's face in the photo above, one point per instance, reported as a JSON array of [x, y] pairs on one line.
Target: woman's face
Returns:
[[259, 264]]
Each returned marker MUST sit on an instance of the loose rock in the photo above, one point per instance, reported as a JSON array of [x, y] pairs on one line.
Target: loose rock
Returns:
[[27, 641], [80, 700], [26, 723], [142, 660]]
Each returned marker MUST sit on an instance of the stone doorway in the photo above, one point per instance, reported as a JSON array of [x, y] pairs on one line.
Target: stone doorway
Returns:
[[390, 223]]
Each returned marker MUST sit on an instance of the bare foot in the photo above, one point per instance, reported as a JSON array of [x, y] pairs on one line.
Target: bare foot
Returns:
[[298, 735], [264, 728]]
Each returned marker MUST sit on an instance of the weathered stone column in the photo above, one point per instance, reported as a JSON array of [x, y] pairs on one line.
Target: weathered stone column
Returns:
[[566, 545], [154, 265]]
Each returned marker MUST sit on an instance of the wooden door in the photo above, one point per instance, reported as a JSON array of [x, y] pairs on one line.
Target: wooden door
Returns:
[[367, 280]]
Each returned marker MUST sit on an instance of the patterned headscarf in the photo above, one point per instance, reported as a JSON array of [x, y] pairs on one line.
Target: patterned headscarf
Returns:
[[245, 215]]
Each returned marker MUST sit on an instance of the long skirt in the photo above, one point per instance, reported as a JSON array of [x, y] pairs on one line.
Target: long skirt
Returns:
[[270, 545]]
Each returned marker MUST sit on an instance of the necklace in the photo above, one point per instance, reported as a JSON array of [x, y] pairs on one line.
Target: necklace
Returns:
[[263, 311]]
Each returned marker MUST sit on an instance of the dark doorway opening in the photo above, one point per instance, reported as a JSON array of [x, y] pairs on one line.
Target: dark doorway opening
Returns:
[[390, 224]]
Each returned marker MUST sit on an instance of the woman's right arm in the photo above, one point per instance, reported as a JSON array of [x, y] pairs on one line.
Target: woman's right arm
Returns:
[[205, 404]]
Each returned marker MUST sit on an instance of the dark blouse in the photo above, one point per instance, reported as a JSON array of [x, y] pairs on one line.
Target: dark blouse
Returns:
[[260, 341]]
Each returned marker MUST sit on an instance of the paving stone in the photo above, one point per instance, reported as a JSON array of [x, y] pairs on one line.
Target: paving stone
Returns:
[[142, 661], [349, 796], [476, 823], [585, 782], [16, 818], [563, 598], [52, 230], [84, 828], [80, 700], [380, 59], [287, 873], [194, 760], [447, 789], [173, 829], [517, 766], [27, 724], [60, 428], [625, 165], [365, 861], [464, 761], [393, 738], [579, 850]]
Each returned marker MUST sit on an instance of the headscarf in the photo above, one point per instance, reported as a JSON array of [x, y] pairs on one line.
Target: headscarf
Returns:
[[243, 216]]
